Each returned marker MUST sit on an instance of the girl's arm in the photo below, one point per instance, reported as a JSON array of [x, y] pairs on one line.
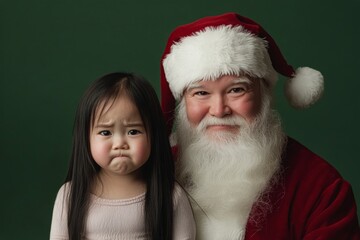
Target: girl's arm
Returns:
[[59, 230], [184, 223]]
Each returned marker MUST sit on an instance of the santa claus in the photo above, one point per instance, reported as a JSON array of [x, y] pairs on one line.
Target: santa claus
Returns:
[[246, 179]]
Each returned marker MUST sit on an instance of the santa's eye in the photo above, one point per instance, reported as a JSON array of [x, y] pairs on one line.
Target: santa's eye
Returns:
[[238, 90], [201, 93]]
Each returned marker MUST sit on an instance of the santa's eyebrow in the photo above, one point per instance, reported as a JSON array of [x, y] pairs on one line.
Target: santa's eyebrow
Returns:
[[196, 85], [193, 86], [242, 80]]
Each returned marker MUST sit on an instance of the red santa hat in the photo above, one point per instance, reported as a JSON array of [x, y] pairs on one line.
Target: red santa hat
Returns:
[[229, 44]]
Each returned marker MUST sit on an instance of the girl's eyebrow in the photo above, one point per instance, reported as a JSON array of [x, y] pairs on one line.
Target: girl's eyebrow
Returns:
[[125, 124], [134, 124], [101, 125]]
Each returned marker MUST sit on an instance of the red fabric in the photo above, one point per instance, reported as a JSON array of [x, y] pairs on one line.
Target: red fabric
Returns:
[[312, 201]]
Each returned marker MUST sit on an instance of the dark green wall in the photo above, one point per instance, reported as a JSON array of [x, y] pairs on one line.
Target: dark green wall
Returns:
[[51, 50]]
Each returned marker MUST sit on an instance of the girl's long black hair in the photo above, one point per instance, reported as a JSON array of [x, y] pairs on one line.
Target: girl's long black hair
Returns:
[[158, 170]]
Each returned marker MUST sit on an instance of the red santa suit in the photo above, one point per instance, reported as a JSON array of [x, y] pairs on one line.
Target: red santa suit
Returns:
[[311, 201]]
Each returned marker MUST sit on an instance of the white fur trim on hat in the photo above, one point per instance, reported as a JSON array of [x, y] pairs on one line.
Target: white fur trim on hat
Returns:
[[217, 51], [305, 88]]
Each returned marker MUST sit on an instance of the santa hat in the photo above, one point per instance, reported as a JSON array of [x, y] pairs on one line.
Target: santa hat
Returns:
[[229, 44]]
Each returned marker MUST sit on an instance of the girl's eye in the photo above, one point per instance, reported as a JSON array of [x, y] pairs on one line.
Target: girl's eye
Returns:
[[134, 132], [105, 133]]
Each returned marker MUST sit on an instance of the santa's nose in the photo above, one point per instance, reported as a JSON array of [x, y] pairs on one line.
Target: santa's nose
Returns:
[[219, 107]]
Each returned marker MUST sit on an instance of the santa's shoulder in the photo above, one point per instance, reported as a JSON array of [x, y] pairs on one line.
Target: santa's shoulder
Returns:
[[302, 163]]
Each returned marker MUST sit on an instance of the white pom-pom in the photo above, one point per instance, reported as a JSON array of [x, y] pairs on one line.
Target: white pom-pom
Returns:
[[305, 88]]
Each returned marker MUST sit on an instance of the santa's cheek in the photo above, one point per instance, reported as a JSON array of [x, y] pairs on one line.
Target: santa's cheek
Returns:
[[247, 109], [195, 114]]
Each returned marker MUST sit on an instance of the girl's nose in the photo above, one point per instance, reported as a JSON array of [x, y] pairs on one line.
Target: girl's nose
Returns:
[[120, 143]]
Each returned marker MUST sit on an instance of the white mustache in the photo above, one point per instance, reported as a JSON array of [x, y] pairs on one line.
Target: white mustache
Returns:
[[232, 121]]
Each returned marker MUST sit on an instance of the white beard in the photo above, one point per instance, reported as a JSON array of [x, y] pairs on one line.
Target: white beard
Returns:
[[226, 173]]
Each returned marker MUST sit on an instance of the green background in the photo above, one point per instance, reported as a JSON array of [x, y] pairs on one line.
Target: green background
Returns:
[[51, 50]]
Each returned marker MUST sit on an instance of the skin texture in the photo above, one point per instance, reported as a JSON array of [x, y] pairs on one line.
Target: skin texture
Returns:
[[119, 144], [224, 97]]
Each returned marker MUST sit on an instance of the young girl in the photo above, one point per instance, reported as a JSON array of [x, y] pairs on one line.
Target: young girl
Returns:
[[120, 182]]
